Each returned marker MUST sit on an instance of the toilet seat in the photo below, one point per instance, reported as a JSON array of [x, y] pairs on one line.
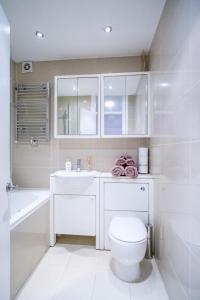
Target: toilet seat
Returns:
[[126, 244], [128, 230]]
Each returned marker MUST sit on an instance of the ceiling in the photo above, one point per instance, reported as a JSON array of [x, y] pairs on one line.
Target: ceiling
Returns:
[[74, 28]]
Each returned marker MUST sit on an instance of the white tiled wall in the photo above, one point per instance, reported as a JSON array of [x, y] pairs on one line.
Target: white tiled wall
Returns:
[[175, 146]]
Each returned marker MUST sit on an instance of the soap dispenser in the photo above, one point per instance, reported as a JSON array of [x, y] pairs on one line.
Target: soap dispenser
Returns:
[[68, 165]]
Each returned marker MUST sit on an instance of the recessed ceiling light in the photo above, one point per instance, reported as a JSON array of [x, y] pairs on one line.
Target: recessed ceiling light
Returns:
[[108, 29], [39, 34]]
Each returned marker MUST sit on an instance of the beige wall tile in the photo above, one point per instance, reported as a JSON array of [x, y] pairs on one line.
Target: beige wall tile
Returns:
[[32, 165], [31, 177]]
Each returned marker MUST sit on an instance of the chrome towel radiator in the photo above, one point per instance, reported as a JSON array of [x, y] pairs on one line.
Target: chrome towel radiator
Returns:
[[32, 113]]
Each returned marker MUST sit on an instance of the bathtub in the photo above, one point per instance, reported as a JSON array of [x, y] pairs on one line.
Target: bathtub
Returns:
[[29, 233]]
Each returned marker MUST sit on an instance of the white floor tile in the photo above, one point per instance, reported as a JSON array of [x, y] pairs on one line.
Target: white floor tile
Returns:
[[103, 260], [108, 287], [150, 287], [77, 283], [83, 257], [73, 272], [42, 282], [56, 255]]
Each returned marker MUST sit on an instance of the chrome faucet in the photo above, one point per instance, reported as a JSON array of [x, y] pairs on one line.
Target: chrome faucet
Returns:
[[11, 187], [78, 165]]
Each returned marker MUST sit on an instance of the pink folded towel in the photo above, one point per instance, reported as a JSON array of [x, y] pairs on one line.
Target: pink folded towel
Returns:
[[126, 156], [131, 171], [120, 162], [118, 171], [130, 162]]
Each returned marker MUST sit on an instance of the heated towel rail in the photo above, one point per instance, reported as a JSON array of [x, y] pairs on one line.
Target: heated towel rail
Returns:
[[32, 113]]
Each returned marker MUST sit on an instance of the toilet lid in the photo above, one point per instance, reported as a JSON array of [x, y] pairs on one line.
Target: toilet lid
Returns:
[[128, 229]]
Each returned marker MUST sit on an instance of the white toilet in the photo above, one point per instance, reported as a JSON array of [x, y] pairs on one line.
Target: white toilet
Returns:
[[128, 241]]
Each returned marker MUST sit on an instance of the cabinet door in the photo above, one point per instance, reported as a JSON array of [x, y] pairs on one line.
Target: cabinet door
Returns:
[[114, 105], [67, 106], [76, 106], [126, 196], [125, 105], [88, 106], [136, 105], [74, 215]]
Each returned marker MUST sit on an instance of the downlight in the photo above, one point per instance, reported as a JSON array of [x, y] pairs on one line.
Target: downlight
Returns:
[[39, 34], [108, 29]]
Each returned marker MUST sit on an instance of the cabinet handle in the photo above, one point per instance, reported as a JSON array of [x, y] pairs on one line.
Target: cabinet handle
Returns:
[[142, 188]]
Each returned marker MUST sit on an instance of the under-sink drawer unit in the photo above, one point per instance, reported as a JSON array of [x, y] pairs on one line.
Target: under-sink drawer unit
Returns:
[[126, 196], [74, 214]]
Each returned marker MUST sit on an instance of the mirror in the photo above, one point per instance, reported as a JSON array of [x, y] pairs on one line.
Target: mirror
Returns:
[[77, 106], [125, 105]]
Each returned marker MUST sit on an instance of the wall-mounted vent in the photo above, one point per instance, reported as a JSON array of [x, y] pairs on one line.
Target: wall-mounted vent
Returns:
[[32, 113], [27, 67]]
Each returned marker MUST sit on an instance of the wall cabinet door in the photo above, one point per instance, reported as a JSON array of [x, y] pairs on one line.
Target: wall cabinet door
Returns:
[[77, 106], [74, 215], [125, 105]]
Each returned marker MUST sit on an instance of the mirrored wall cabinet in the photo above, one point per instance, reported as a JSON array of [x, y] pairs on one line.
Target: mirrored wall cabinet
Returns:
[[77, 106], [123, 99], [125, 105]]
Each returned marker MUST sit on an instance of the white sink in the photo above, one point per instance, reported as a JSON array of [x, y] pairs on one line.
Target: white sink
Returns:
[[75, 174]]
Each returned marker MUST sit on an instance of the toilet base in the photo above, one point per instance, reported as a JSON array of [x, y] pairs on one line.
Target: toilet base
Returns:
[[128, 273]]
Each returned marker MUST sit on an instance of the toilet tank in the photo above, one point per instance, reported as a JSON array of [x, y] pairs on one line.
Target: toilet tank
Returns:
[[124, 197]]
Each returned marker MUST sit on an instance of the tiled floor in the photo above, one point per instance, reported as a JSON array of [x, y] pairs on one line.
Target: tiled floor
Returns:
[[73, 272]]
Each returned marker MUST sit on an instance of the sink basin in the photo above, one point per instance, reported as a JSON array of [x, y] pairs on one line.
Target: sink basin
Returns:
[[75, 174]]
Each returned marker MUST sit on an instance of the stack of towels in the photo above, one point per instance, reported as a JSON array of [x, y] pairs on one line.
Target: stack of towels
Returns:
[[125, 166]]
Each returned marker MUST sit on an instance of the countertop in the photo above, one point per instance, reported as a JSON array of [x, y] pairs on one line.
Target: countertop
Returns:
[[96, 174]]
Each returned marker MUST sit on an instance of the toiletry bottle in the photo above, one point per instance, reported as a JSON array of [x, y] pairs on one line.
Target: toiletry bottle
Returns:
[[78, 169], [68, 165], [89, 163]]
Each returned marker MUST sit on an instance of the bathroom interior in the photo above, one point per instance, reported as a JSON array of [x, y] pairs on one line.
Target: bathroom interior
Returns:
[[99, 156]]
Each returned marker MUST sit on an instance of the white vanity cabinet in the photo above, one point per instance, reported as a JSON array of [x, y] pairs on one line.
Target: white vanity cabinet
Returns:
[[86, 205], [124, 197], [74, 215], [74, 206]]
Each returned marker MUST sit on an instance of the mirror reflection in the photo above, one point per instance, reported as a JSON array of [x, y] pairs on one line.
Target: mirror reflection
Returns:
[[125, 105], [77, 106]]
